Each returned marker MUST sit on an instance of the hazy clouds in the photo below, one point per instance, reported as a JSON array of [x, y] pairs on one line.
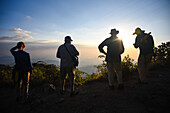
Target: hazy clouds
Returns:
[[46, 49], [16, 34]]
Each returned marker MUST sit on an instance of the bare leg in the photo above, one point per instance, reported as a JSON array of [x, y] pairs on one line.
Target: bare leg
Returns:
[[62, 85], [26, 86], [18, 89], [72, 81], [63, 74]]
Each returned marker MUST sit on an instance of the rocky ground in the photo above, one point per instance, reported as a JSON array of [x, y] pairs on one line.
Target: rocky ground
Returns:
[[95, 97]]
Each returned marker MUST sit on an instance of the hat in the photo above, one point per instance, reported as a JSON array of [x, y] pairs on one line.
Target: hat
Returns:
[[137, 30], [113, 31], [68, 38]]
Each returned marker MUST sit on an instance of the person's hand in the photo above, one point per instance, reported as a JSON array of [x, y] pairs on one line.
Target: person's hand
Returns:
[[16, 47]]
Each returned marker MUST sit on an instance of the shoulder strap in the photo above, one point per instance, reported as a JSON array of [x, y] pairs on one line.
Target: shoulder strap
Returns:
[[67, 50]]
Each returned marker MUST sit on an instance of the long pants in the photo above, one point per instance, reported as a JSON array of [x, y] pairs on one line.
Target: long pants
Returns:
[[114, 69], [22, 84], [63, 72], [143, 66]]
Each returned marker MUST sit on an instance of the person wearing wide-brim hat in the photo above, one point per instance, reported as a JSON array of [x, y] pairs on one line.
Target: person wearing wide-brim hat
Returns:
[[145, 43], [113, 58]]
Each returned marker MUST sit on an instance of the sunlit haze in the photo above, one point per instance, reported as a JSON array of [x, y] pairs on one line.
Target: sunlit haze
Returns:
[[43, 24]]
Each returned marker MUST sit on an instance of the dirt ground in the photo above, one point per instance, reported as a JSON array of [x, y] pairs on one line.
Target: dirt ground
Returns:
[[96, 97]]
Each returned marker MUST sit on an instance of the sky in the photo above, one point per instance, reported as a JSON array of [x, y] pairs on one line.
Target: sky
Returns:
[[43, 24]]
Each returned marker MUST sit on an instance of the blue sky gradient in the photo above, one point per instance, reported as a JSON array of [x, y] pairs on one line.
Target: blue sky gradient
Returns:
[[43, 24]]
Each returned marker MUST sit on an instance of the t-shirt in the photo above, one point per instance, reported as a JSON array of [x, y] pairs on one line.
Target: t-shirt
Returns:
[[66, 58]]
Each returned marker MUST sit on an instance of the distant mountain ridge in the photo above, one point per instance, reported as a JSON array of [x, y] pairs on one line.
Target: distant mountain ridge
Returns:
[[9, 60]]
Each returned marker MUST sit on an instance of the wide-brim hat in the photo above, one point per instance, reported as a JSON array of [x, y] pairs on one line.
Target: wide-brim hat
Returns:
[[114, 31]]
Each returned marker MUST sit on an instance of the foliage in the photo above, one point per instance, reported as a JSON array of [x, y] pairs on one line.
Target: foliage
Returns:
[[101, 70], [128, 63], [128, 66], [162, 54], [51, 72], [42, 71], [5, 72], [79, 80]]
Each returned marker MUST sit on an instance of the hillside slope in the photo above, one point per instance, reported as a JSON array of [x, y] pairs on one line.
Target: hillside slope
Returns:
[[96, 97]]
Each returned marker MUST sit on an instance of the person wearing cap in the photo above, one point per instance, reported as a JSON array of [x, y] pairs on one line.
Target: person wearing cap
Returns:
[[22, 70], [145, 43], [113, 58], [65, 53]]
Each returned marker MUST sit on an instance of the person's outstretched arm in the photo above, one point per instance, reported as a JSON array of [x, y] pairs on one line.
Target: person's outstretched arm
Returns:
[[100, 47], [58, 53], [12, 50], [136, 44], [75, 52], [122, 49]]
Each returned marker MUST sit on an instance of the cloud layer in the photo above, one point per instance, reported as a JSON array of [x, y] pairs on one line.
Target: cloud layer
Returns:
[[18, 34]]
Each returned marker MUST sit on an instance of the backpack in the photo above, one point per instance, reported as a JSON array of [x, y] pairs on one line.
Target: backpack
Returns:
[[146, 44]]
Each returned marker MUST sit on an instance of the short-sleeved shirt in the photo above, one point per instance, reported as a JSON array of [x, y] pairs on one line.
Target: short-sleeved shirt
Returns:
[[66, 58]]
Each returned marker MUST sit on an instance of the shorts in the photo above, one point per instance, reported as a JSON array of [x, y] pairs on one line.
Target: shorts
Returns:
[[66, 70]]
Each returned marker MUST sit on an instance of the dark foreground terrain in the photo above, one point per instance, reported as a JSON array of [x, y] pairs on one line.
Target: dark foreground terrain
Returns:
[[96, 97]]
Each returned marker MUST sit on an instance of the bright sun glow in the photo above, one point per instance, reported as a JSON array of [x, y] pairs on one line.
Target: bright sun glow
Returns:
[[127, 37]]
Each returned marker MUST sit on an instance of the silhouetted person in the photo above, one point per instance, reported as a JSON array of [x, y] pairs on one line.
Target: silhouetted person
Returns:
[[145, 43], [65, 53], [113, 58], [22, 71]]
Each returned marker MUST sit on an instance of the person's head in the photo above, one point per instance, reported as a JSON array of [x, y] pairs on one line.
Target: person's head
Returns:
[[138, 31], [68, 39], [114, 32], [21, 45]]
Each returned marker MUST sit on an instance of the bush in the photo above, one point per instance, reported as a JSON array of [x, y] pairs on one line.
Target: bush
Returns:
[[49, 72], [161, 56], [128, 66], [5, 72]]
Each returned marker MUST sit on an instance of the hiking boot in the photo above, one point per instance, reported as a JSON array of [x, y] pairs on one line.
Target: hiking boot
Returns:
[[120, 86]]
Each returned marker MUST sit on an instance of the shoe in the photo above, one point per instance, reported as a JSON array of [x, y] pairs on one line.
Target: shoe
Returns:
[[120, 86], [112, 87]]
